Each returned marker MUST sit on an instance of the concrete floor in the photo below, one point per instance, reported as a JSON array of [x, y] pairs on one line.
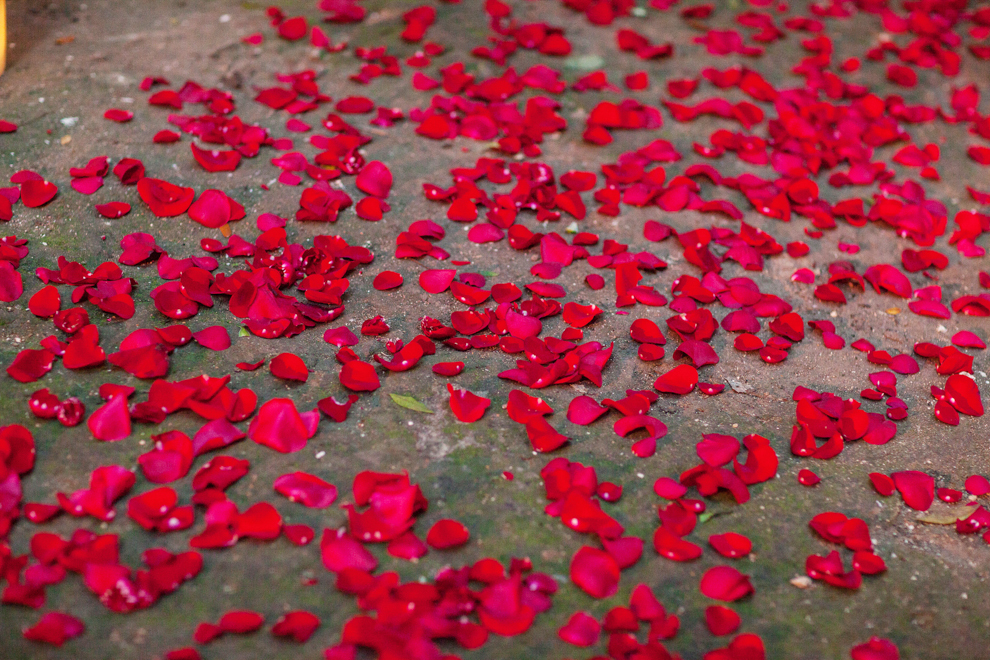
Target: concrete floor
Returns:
[[74, 60]]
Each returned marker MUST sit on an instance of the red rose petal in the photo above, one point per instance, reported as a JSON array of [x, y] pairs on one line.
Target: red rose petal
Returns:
[[387, 280], [334, 410], [55, 628], [29, 365], [215, 209], [307, 489], [165, 199], [808, 478], [112, 421], [299, 534], [240, 622], [215, 338], [584, 410], [281, 427], [875, 649], [962, 393], [216, 160], [448, 368], [37, 192], [359, 376], [731, 545], [375, 179], [340, 551], [581, 629], [467, 406], [289, 367], [725, 583], [917, 488], [673, 547], [436, 281], [113, 210], [679, 380], [299, 625], [118, 115], [446, 534], [883, 484], [595, 572], [46, 302], [721, 620]]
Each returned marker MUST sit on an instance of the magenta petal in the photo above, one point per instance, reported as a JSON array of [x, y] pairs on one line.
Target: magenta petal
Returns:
[[340, 551], [306, 489], [55, 628], [375, 179], [581, 629], [584, 410]]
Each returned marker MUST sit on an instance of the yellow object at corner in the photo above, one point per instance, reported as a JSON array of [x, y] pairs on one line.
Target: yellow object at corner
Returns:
[[3, 35]]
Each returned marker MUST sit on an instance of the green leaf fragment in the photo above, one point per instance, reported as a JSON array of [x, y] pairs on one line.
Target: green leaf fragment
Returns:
[[410, 403], [584, 62]]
